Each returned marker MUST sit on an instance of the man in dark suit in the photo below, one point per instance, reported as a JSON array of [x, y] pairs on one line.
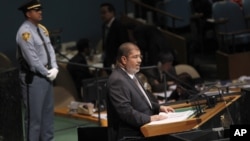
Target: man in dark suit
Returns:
[[113, 34], [129, 105]]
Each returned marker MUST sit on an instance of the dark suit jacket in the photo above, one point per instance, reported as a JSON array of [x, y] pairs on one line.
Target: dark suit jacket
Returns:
[[117, 35], [128, 109]]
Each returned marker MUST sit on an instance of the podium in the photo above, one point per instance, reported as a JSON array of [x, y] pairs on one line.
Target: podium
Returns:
[[201, 135], [92, 133], [191, 123], [232, 66], [194, 135]]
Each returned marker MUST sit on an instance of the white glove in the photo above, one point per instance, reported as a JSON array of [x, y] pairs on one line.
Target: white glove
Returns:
[[52, 73]]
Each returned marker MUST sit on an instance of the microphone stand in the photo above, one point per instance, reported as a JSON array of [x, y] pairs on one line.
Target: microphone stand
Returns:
[[212, 100], [221, 93], [98, 97], [60, 54], [224, 90], [177, 81], [196, 101], [165, 88], [99, 93]]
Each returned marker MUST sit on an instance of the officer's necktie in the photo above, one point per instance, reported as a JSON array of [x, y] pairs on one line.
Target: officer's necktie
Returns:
[[142, 90], [45, 46]]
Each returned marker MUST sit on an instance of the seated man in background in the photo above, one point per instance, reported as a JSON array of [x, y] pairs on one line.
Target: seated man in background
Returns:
[[185, 88], [183, 84], [156, 76], [77, 65]]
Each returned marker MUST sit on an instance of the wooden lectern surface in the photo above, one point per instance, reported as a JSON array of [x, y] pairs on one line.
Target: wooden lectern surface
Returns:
[[149, 130], [65, 112]]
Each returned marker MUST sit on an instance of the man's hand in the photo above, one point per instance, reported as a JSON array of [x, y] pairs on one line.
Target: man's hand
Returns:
[[157, 117], [166, 109], [52, 73]]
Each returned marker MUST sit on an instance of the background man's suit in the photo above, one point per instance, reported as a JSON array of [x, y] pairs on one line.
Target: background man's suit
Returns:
[[117, 34]]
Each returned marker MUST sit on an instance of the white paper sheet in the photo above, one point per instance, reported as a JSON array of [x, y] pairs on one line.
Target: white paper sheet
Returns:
[[174, 117]]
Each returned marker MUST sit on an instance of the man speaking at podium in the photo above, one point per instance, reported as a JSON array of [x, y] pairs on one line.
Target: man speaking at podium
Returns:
[[129, 105]]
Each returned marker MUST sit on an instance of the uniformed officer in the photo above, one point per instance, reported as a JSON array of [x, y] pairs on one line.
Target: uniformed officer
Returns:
[[37, 70]]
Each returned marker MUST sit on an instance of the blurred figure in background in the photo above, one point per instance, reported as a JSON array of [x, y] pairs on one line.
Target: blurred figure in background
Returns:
[[80, 70], [156, 75], [113, 34], [185, 88]]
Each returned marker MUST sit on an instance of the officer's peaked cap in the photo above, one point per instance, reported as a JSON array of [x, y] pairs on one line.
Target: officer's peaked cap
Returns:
[[30, 5]]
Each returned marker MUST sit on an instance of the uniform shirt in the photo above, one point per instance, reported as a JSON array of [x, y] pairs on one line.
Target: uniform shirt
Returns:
[[31, 49]]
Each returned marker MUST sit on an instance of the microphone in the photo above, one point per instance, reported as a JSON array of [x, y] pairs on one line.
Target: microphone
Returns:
[[196, 100], [85, 65], [148, 67], [181, 83], [227, 109], [223, 90], [222, 93], [62, 55], [165, 88]]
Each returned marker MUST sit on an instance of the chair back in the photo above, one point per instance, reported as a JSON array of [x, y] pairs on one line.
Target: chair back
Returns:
[[94, 90], [246, 7], [64, 87], [181, 68], [5, 62], [246, 10], [230, 11], [232, 32]]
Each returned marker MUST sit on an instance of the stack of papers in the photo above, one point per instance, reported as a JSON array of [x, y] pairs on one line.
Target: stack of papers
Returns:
[[174, 117]]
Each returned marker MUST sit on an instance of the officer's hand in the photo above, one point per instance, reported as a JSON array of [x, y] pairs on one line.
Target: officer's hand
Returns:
[[52, 73]]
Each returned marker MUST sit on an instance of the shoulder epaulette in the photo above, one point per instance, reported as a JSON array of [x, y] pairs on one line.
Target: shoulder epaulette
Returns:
[[46, 32]]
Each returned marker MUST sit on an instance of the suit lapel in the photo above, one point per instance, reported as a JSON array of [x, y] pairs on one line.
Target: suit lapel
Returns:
[[139, 91], [134, 85]]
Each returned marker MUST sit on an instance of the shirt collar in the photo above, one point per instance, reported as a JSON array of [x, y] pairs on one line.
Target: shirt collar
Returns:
[[31, 25], [130, 75], [110, 22]]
